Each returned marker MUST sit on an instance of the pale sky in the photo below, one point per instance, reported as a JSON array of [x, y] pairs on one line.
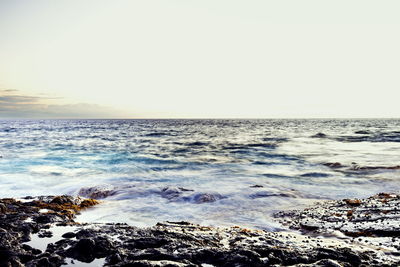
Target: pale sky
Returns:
[[199, 59]]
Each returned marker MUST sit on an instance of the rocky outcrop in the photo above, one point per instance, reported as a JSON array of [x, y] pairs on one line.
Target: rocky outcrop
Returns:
[[374, 221], [97, 192], [187, 244], [355, 168], [184, 194], [19, 219]]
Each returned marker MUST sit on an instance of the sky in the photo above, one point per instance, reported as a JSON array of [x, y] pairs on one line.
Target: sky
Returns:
[[199, 59]]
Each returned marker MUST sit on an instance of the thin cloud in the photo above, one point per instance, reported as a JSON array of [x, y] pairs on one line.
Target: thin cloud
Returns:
[[18, 99], [8, 90], [14, 104]]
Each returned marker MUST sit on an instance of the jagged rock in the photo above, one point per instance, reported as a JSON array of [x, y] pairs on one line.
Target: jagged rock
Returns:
[[3, 208], [97, 192], [61, 200], [186, 244], [319, 135], [373, 221], [83, 250], [354, 167], [333, 165], [362, 132], [263, 194], [205, 197], [171, 193], [161, 263]]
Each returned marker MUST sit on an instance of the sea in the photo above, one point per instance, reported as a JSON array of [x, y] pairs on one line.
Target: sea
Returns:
[[211, 172]]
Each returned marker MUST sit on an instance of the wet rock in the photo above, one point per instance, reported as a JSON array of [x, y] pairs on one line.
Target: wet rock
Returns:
[[354, 167], [357, 167], [97, 192], [205, 198], [162, 263], [319, 135], [176, 223], [185, 189], [29, 248], [85, 233], [147, 242], [183, 194], [315, 174], [61, 206], [45, 218], [333, 165], [104, 247], [3, 208], [86, 203], [83, 250], [374, 220], [46, 261], [362, 132], [193, 245], [263, 194], [43, 234], [171, 193], [187, 244], [22, 219], [322, 263], [69, 235], [256, 186], [353, 202], [113, 259], [61, 200], [365, 136]]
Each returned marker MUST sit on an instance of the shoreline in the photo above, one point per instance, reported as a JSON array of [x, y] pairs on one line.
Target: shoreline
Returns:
[[352, 232]]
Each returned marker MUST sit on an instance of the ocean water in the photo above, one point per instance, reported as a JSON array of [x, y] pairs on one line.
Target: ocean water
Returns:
[[213, 172]]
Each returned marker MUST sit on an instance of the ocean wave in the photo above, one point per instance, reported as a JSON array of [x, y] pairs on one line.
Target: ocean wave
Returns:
[[363, 136], [209, 167]]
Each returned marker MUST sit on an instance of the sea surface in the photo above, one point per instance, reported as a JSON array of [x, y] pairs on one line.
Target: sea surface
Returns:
[[213, 172]]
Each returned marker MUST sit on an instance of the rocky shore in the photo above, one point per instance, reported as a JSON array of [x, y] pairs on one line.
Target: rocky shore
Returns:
[[354, 232]]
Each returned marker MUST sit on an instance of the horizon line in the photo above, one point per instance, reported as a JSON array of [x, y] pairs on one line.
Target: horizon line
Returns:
[[200, 118]]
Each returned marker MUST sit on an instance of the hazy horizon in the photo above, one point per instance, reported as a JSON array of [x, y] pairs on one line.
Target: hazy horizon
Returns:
[[189, 59]]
